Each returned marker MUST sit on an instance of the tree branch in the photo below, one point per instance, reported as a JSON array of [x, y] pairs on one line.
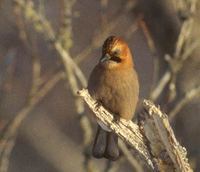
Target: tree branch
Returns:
[[153, 137]]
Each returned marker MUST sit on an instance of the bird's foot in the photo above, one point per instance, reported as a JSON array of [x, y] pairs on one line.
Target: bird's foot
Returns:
[[116, 119], [97, 104]]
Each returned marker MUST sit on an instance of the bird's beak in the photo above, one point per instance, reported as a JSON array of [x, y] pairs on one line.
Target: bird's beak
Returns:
[[105, 57]]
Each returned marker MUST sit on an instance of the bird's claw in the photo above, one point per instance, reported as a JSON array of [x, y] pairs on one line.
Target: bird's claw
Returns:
[[97, 104], [116, 119]]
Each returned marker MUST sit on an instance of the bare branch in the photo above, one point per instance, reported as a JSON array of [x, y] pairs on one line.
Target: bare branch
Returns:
[[184, 48], [61, 43], [8, 137], [193, 93], [160, 86], [153, 138], [126, 130], [169, 154]]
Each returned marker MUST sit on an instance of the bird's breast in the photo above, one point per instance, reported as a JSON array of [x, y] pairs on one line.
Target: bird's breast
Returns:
[[117, 90]]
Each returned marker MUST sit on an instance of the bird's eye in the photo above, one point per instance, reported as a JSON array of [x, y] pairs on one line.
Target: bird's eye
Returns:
[[116, 56], [116, 53]]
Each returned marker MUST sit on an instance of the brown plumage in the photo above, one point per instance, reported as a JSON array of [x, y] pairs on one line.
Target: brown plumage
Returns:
[[113, 83]]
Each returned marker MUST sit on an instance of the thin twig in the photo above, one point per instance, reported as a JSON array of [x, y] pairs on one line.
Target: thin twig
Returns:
[[62, 45], [8, 137], [184, 48], [190, 95], [160, 86], [100, 35]]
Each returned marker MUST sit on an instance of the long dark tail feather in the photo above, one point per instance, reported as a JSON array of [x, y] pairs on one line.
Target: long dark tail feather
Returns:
[[112, 150], [100, 142]]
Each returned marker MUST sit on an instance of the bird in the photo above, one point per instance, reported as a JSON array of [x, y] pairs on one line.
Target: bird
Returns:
[[114, 84]]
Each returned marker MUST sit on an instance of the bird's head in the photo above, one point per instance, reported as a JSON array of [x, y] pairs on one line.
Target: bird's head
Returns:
[[116, 53]]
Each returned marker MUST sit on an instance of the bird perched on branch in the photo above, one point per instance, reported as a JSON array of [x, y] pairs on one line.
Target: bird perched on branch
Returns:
[[114, 84]]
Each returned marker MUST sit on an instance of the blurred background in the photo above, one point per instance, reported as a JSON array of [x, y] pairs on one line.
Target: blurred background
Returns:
[[47, 51]]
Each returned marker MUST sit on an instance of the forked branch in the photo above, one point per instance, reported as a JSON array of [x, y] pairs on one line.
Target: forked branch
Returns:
[[153, 137]]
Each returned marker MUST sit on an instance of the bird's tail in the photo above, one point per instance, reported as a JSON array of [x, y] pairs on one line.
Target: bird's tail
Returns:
[[99, 146], [106, 145], [112, 150]]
